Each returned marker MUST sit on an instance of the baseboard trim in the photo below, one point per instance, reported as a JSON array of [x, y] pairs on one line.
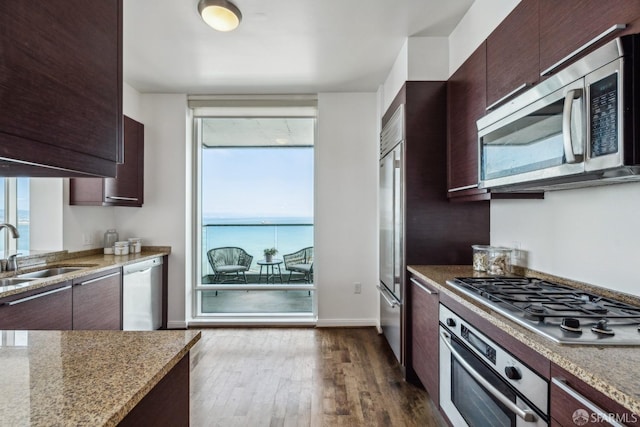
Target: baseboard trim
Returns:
[[176, 324], [345, 323]]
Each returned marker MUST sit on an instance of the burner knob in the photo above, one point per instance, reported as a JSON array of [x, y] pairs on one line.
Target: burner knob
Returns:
[[602, 328], [571, 324], [512, 373], [451, 322]]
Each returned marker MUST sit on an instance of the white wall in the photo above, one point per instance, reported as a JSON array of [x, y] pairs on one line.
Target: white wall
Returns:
[[420, 58], [480, 20], [46, 222], [84, 220], [346, 221], [587, 234]]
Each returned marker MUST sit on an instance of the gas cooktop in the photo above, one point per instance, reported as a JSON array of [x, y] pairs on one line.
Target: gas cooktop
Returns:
[[561, 313]]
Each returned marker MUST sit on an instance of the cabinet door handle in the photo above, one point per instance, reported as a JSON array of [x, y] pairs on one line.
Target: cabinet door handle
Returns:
[[97, 279], [507, 96], [421, 286], [561, 383], [466, 187], [44, 294], [584, 47], [128, 199]]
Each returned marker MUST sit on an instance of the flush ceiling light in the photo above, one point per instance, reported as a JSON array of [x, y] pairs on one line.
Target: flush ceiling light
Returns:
[[221, 15]]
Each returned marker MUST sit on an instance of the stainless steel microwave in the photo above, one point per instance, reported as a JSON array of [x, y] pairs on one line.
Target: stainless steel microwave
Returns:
[[576, 128]]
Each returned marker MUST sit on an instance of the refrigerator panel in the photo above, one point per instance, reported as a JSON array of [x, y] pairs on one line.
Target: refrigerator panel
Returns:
[[386, 221]]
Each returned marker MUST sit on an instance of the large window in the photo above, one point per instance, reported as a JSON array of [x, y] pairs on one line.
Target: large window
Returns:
[[255, 193], [14, 209]]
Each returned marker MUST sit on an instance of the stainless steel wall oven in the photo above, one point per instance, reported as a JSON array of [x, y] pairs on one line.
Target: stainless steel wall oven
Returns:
[[481, 384]]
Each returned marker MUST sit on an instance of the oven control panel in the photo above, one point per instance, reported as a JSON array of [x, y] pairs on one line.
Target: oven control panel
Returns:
[[506, 365]]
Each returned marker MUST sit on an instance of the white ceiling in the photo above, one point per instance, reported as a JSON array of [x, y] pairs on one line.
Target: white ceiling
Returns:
[[281, 46]]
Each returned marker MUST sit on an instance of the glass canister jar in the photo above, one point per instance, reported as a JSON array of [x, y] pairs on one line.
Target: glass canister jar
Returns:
[[110, 238], [499, 261], [121, 248], [480, 257]]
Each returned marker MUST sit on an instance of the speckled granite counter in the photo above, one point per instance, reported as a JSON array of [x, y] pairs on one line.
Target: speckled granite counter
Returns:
[[83, 378], [614, 371], [91, 261]]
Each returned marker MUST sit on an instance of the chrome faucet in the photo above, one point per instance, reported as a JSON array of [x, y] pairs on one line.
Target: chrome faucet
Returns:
[[12, 262], [14, 230]]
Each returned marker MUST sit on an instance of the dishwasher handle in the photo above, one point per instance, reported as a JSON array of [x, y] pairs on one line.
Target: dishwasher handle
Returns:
[[141, 266]]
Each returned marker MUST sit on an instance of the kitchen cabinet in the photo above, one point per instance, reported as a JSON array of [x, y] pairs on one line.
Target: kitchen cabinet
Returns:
[[47, 308], [425, 341], [513, 54], [570, 395], [127, 188], [568, 25], [97, 301], [428, 215], [61, 85], [467, 101]]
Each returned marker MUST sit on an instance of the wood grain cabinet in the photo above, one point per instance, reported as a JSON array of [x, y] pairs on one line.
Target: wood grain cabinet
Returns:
[[565, 26], [47, 308], [467, 101], [127, 188], [571, 398], [97, 301], [513, 54], [424, 321], [61, 87]]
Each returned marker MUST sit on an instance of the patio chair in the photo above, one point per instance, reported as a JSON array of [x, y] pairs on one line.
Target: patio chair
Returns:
[[228, 261], [300, 262]]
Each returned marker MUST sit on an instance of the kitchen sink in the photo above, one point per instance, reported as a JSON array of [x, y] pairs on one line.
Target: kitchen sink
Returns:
[[12, 281], [49, 272]]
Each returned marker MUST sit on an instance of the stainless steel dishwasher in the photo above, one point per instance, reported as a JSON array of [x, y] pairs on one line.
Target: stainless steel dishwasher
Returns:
[[142, 295]]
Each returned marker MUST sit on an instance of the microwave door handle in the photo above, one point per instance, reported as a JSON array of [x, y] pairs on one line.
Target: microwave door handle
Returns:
[[526, 414], [572, 94]]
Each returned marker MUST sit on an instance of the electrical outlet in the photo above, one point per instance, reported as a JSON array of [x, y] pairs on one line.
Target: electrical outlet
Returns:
[[357, 288], [87, 239]]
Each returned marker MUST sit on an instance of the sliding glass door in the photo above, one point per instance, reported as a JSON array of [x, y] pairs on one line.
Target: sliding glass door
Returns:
[[255, 217]]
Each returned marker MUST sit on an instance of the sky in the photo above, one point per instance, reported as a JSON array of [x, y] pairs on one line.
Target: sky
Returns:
[[257, 182]]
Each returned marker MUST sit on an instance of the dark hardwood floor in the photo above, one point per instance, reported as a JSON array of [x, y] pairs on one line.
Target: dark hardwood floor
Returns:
[[302, 377]]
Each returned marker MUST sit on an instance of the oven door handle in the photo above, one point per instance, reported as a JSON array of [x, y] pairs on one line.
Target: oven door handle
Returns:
[[526, 414]]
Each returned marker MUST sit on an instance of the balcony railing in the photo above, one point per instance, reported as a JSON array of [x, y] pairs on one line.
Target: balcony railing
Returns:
[[255, 238]]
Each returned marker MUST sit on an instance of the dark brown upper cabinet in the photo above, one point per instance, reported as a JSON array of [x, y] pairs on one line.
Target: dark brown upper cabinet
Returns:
[[513, 54], [467, 101], [60, 87], [566, 26], [127, 188]]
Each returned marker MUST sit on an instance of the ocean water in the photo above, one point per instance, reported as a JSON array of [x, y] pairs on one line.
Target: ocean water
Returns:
[[254, 236]]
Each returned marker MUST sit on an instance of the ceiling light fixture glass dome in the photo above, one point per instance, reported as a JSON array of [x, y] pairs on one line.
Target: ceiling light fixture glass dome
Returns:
[[221, 15]]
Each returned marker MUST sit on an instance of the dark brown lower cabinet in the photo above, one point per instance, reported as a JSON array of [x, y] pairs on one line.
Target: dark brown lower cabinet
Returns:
[[44, 309], [97, 301], [167, 404], [424, 322], [573, 402]]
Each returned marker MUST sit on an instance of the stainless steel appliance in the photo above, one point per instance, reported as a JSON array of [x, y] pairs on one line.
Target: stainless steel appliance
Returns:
[[481, 384], [579, 127], [142, 295], [561, 313], [391, 230]]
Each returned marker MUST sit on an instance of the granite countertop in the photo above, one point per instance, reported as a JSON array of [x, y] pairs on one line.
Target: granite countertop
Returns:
[[91, 261], [614, 371], [88, 378]]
